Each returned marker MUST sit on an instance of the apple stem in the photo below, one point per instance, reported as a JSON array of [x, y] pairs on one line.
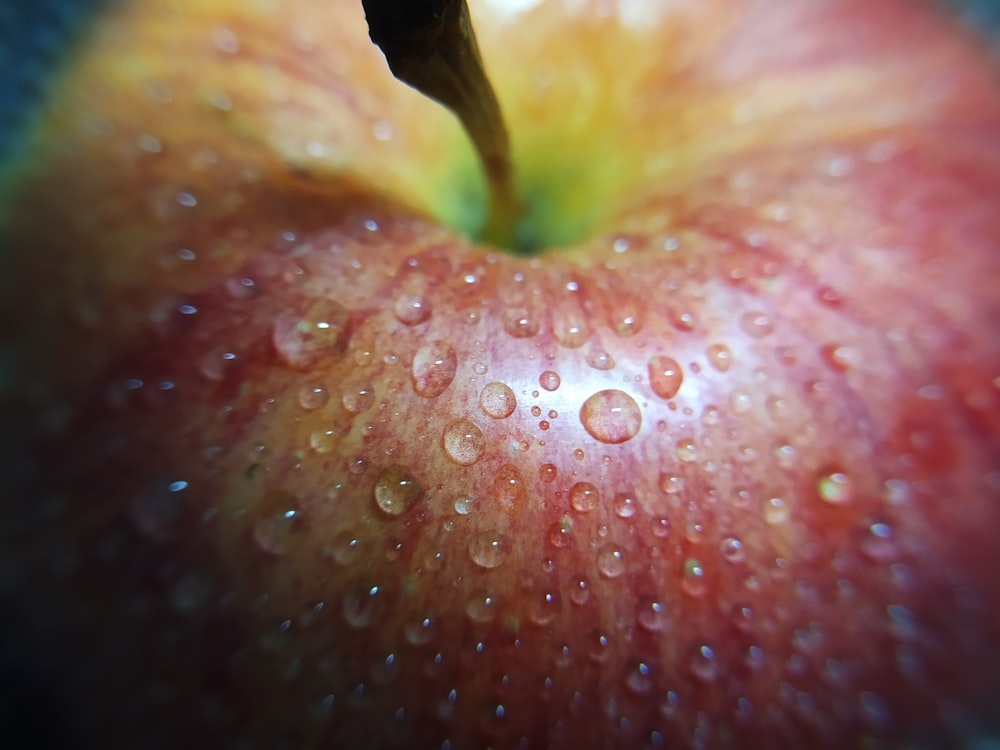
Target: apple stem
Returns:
[[431, 46]]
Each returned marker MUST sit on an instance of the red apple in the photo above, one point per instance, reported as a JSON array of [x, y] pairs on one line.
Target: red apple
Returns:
[[294, 463]]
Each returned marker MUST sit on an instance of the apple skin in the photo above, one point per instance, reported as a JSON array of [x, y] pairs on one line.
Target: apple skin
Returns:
[[288, 463]]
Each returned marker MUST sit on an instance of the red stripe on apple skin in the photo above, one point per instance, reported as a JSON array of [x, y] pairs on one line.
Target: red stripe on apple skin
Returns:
[[228, 540]]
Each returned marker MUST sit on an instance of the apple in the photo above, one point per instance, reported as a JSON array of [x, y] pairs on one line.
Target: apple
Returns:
[[293, 461]]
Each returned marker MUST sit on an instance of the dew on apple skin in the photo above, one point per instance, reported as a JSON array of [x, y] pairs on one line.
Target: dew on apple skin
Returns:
[[835, 488], [660, 527], [570, 332], [322, 441], [670, 484], [638, 678], [544, 608], [597, 646], [345, 548], [412, 310], [756, 325], [508, 489], [719, 357], [497, 400], [693, 581], [536, 411], [878, 542], [611, 416], [362, 606], [548, 472], [651, 615], [732, 550], [463, 442], [313, 396], [665, 376], [519, 323], [396, 491], [303, 341], [579, 591], [280, 521], [610, 560], [624, 505], [686, 450], [357, 398], [464, 505], [740, 402], [704, 665], [488, 550], [560, 534], [549, 380], [481, 607], [433, 369], [584, 497], [776, 511], [600, 360]]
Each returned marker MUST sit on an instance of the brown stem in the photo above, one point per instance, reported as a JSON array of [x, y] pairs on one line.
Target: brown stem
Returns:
[[430, 45]]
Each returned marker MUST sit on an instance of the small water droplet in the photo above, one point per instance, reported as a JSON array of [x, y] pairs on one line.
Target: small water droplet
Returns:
[[520, 323], [732, 550], [611, 416], [624, 505], [396, 491], [433, 369], [345, 547], [570, 331], [303, 340], [665, 376], [481, 607], [549, 380], [312, 397], [544, 608], [508, 489], [497, 400], [686, 450], [411, 310], [704, 665], [362, 605], [879, 542], [358, 398], [548, 472], [600, 360], [651, 615], [579, 591], [560, 534], [719, 357], [464, 505], [740, 402], [660, 527], [671, 484], [836, 488], [756, 324], [279, 521], [743, 618], [776, 510], [464, 442], [694, 582], [638, 678], [488, 550], [584, 497], [610, 560]]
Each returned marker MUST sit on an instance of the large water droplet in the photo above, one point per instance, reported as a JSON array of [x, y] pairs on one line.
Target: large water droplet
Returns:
[[303, 340], [611, 416], [610, 560], [412, 310], [488, 549], [463, 442], [549, 380], [396, 491], [508, 489], [665, 376], [584, 497], [497, 400], [433, 369]]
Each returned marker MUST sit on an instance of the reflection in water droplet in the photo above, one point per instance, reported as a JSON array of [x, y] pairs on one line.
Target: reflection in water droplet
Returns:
[[411, 310], [879, 542], [719, 357], [488, 550], [396, 491], [610, 560], [584, 497], [312, 397], [611, 416], [497, 400], [463, 442], [549, 380], [624, 505], [358, 398], [600, 360], [560, 534], [686, 450], [520, 323], [836, 488], [464, 506], [433, 369], [665, 376], [570, 331], [732, 550], [548, 472], [508, 489], [671, 484], [756, 324], [579, 591]]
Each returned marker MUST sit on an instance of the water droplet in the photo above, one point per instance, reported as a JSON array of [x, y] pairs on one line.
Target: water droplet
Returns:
[[600, 360], [464, 506], [671, 484], [544, 608], [651, 615], [719, 357], [421, 632], [345, 547], [694, 582], [624, 505], [732, 550], [279, 521], [548, 472], [740, 402], [743, 618], [611, 416], [497, 400], [560, 534], [776, 510], [412, 310], [396, 491], [597, 646], [836, 488], [704, 665], [665, 376], [509, 489], [481, 607], [686, 450], [433, 369], [463, 442], [610, 560], [660, 527], [520, 323], [480, 368], [879, 542], [362, 605], [841, 358], [358, 398], [579, 591], [549, 380], [570, 331], [756, 324], [584, 497], [638, 678], [312, 397], [303, 340], [322, 441], [488, 550]]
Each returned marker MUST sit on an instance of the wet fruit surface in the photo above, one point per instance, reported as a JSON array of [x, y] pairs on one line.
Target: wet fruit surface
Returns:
[[304, 468]]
